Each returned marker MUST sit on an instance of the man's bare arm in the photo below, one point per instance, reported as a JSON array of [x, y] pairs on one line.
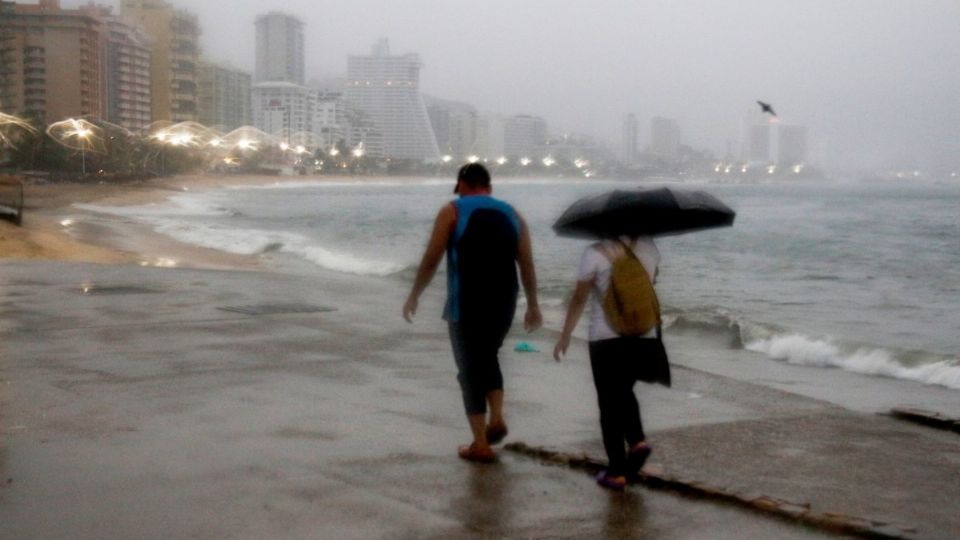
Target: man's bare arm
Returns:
[[432, 256], [528, 277]]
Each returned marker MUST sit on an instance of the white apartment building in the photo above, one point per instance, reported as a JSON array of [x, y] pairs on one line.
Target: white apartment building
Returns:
[[387, 90], [523, 135], [282, 107]]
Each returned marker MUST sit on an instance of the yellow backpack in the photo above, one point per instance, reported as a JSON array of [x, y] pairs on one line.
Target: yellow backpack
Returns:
[[630, 305]]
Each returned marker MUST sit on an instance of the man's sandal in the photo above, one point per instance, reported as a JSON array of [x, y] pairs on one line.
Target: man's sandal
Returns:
[[496, 433], [473, 453]]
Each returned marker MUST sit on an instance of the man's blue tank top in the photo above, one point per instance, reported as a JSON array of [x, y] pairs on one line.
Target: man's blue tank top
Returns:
[[481, 260]]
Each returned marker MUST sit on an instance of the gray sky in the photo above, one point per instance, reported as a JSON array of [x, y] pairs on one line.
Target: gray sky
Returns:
[[877, 82]]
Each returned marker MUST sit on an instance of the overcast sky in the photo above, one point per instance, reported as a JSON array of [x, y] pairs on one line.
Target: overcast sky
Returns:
[[877, 82]]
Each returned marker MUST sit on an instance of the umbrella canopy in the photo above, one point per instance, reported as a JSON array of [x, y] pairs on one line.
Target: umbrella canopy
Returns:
[[655, 212]]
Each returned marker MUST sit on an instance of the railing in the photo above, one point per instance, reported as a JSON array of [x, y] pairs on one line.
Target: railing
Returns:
[[11, 199]]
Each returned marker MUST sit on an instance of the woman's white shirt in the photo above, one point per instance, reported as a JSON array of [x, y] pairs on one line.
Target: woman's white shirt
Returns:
[[595, 267]]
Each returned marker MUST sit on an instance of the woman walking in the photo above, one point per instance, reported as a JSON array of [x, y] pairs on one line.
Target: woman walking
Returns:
[[620, 354]]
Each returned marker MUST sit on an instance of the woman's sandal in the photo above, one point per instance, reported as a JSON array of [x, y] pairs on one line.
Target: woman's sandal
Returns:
[[636, 457], [473, 453], [615, 483]]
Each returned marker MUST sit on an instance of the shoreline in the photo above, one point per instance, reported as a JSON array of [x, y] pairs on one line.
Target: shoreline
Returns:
[[47, 232]]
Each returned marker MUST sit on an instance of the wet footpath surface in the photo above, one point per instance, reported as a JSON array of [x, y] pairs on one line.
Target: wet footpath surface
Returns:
[[170, 403]]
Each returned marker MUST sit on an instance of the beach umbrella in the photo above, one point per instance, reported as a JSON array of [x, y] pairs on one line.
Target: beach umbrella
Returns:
[[656, 212]]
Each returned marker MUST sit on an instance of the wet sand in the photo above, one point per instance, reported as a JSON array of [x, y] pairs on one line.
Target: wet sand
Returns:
[[46, 233]]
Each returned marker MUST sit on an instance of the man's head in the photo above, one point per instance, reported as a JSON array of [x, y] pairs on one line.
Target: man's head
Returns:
[[472, 179]]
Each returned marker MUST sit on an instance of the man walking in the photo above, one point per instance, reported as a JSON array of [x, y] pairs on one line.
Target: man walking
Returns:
[[485, 240]]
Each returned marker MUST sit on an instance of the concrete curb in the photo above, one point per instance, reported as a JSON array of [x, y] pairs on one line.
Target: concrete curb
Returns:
[[795, 512], [927, 418]]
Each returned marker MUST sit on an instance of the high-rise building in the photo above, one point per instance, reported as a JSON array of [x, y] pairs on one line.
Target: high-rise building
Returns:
[[791, 145], [175, 36], [51, 61], [279, 49], [523, 135], [664, 137], [225, 97], [758, 143], [387, 89], [455, 127], [628, 140], [126, 70], [489, 136]]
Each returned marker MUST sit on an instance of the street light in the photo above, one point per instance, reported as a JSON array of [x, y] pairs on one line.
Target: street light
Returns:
[[83, 134]]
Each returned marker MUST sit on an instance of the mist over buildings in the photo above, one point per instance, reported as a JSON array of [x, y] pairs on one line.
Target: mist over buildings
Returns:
[[873, 81]]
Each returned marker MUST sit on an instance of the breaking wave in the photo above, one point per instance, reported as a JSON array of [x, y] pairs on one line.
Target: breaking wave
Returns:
[[795, 348]]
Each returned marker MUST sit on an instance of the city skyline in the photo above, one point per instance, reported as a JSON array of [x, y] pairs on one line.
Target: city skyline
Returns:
[[868, 79]]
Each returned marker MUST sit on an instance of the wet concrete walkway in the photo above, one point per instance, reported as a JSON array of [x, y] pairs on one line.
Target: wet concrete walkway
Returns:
[[132, 404]]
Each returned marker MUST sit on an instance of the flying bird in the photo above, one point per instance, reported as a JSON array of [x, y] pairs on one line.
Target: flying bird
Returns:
[[766, 108]]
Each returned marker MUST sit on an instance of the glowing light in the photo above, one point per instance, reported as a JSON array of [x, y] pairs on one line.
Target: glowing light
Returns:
[[216, 143], [472, 159], [11, 127], [771, 169], [78, 134], [743, 169], [300, 149], [716, 169], [580, 163], [66, 223], [549, 161], [246, 144], [334, 152], [284, 146], [358, 151], [797, 169], [502, 160], [727, 169], [447, 158], [525, 161]]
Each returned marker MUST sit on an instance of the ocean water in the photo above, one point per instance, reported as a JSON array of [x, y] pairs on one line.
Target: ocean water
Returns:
[[862, 277]]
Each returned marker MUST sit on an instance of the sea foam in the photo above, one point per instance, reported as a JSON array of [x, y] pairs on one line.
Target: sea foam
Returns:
[[806, 351]]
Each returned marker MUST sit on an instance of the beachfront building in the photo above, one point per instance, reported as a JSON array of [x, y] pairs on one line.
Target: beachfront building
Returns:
[[175, 36], [791, 145], [665, 138], [454, 126], [279, 49], [489, 135], [225, 95], [387, 90], [329, 123], [628, 139], [282, 107], [757, 147], [126, 70], [523, 135], [51, 61]]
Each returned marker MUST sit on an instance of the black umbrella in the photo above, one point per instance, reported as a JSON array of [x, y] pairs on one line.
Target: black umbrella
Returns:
[[655, 212]]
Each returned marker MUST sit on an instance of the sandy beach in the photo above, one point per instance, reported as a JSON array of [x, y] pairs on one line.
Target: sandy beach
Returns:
[[45, 235]]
